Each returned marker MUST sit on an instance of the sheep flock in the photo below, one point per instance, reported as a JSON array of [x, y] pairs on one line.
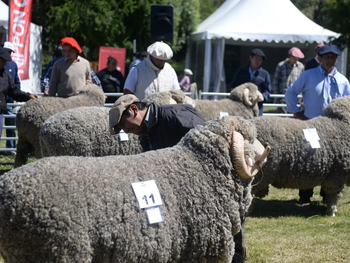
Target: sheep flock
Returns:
[[76, 203]]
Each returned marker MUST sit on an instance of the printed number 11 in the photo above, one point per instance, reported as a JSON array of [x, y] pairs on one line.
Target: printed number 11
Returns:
[[150, 197]]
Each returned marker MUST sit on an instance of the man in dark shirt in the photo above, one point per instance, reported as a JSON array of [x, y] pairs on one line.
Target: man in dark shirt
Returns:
[[254, 73], [159, 126], [112, 80], [12, 69], [8, 87], [314, 62]]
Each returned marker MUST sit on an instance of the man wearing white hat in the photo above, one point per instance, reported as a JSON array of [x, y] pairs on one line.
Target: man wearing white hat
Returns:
[[153, 74], [12, 68]]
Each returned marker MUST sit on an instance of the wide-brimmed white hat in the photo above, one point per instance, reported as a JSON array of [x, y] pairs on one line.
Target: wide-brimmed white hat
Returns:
[[188, 72], [160, 50], [9, 46]]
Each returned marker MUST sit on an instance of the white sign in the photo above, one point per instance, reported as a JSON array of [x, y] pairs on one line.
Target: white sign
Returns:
[[147, 194], [312, 137], [154, 215], [223, 114], [123, 136]]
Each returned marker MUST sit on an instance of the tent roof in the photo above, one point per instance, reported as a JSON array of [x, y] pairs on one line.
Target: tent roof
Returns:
[[4, 15], [257, 20]]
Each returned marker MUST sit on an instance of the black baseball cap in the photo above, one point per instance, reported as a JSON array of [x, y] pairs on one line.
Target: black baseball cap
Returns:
[[257, 52], [4, 54]]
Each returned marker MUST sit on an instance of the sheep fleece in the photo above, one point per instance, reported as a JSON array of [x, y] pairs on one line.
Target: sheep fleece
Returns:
[[83, 209], [71, 132]]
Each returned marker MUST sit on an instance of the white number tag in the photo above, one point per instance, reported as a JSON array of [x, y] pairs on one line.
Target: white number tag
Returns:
[[147, 194], [123, 136], [223, 114], [154, 215]]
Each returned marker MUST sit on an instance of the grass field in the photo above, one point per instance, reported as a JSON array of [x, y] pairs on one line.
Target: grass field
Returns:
[[279, 231]]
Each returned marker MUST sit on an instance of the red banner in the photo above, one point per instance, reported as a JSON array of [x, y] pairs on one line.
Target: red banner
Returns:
[[19, 34], [118, 53]]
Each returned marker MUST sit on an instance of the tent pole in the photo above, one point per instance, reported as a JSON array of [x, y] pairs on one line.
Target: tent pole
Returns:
[[207, 65]]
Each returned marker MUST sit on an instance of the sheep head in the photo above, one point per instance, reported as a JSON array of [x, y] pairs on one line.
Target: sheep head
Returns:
[[251, 98], [244, 166], [248, 93]]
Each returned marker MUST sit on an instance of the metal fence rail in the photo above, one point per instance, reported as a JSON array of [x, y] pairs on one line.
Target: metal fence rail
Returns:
[[201, 96]]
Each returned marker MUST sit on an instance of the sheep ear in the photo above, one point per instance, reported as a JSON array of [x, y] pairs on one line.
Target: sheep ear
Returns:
[[246, 168], [261, 154]]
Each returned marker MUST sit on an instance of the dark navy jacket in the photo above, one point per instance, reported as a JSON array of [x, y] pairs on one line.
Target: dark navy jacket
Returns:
[[12, 69], [8, 87], [167, 124], [312, 63], [261, 79]]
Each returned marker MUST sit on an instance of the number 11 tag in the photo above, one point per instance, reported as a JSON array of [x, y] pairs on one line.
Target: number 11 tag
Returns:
[[147, 194]]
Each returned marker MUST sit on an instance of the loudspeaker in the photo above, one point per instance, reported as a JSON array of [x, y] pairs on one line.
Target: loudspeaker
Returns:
[[162, 22]]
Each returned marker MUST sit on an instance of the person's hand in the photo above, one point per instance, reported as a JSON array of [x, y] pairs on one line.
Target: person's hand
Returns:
[[88, 81], [300, 116], [33, 96], [46, 92]]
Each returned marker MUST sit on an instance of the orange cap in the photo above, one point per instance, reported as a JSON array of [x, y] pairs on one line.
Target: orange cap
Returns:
[[71, 41]]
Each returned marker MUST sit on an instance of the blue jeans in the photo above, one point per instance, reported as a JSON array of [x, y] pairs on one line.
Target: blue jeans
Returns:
[[1, 123], [10, 132]]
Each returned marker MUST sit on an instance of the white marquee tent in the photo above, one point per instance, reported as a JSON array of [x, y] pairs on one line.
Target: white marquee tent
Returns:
[[240, 25], [33, 83]]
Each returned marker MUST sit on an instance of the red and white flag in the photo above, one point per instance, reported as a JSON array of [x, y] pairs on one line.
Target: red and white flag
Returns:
[[19, 34]]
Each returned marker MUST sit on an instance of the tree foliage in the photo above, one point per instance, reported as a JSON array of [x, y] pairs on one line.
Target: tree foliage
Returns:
[[337, 18], [117, 23]]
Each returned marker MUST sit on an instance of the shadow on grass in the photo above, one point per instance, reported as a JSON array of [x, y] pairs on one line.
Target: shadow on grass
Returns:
[[278, 208]]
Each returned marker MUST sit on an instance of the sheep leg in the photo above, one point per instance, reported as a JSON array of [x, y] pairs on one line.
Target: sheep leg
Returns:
[[331, 202], [23, 149]]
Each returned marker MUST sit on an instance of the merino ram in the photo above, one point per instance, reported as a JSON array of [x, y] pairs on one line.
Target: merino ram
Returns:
[[293, 163], [84, 131], [70, 132], [243, 101], [73, 133], [34, 113], [83, 209]]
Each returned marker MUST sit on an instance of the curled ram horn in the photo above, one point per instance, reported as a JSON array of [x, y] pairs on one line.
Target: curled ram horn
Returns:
[[252, 100], [246, 98], [245, 167]]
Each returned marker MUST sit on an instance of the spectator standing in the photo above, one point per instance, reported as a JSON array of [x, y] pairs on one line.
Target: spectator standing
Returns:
[[70, 73], [287, 71], [46, 75], [8, 87], [254, 73], [153, 74], [319, 87], [12, 69], [314, 62], [185, 83], [112, 79]]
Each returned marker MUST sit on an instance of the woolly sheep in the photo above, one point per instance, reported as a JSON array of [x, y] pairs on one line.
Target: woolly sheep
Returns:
[[243, 101], [166, 97], [72, 133], [83, 209], [33, 114], [292, 161], [83, 131]]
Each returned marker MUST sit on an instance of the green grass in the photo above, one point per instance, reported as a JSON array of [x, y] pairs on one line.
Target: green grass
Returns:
[[277, 230]]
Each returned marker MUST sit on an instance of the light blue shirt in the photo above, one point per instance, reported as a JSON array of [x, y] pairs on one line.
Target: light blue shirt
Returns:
[[311, 84]]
